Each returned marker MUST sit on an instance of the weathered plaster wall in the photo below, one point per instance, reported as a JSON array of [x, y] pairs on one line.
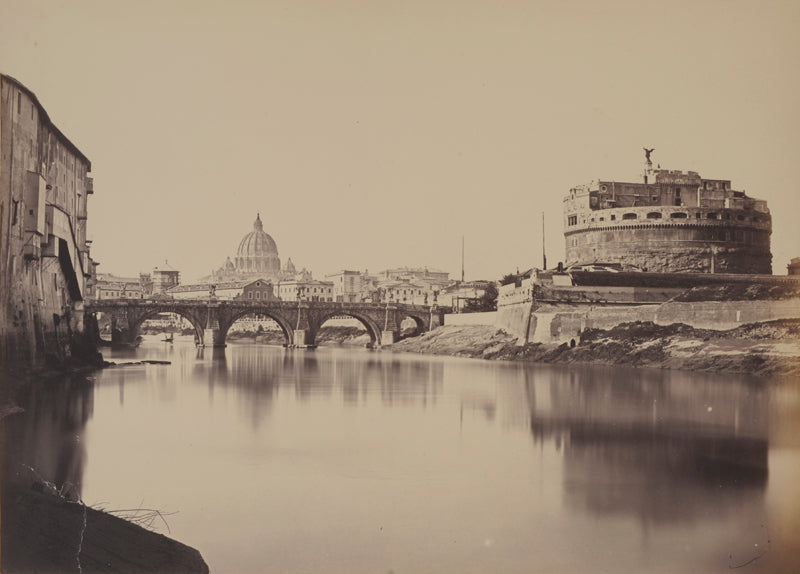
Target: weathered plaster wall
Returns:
[[487, 318]]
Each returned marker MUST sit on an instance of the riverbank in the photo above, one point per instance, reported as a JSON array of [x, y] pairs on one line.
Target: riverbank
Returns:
[[42, 532], [765, 349], [46, 528]]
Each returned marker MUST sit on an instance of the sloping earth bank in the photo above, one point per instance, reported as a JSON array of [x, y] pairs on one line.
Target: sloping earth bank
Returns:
[[770, 348]]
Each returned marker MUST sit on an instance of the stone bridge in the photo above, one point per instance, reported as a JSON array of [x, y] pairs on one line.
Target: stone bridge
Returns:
[[299, 320]]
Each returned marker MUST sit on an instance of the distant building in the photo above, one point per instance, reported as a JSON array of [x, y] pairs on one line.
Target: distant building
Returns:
[[260, 289], [165, 278], [305, 290], [794, 266], [346, 286], [672, 222], [458, 295], [417, 273], [110, 286], [45, 268], [406, 291]]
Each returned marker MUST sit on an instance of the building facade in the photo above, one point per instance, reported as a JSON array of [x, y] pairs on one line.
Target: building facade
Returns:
[[305, 290], [113, 287], [793, 268], [45, 267], [672, 222], [346, 286], [459, 295], [251, 289], [165, 278]]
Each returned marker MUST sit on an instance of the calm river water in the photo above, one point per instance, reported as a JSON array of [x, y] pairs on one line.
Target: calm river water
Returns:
[[348, 460]]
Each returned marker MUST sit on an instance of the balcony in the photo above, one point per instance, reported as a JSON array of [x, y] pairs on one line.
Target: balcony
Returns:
[[32, 251]]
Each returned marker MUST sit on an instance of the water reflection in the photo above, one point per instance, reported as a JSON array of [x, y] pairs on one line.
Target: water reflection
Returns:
[[318, 374], [327, 452], [664, 447], [46, 444]]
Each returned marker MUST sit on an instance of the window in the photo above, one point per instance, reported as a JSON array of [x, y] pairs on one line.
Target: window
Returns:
[[711, 216], [613, 217], [629, 216], [572, 220], [678, 215], [19, 102], [258, 295]]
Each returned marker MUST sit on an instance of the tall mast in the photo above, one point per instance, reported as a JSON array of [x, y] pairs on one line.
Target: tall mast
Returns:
[[462, 258], [544, 255]]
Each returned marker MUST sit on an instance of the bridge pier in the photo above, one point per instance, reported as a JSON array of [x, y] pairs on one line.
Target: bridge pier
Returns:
[[435, 318], [211, 338], [302, 339], [211, 334], [388, 338]]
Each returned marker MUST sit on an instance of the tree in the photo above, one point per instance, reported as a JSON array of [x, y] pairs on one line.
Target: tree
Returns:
[[508, 278], [486, 302]]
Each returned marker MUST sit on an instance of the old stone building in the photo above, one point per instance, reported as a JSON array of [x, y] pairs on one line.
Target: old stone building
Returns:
[[45, 267], [671, 222]]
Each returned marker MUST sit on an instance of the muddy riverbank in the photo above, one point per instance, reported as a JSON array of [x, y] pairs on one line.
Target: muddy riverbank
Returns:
[[765, 349]]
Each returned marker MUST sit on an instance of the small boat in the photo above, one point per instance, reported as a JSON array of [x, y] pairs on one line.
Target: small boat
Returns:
[[168, 338]]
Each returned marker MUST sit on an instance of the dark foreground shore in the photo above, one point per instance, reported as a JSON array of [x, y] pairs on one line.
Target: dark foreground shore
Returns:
[[763, 349], [42, 531]]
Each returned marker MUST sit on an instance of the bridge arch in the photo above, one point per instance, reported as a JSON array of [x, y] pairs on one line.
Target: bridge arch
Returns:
[[419, 321], [372, 327], [197, 323], [283, 323]]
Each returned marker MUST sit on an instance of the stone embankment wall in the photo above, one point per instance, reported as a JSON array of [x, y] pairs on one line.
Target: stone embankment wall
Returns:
[[515, 308], [553, 321], [723, 315], [487, 318]]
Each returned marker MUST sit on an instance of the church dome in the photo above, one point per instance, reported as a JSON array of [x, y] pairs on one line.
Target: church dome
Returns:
[[257, 252]]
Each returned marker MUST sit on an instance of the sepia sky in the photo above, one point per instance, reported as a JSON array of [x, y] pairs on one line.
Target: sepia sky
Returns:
[[376, 134]]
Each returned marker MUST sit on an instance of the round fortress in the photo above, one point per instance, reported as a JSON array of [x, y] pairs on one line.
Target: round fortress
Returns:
[[672, 222]]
